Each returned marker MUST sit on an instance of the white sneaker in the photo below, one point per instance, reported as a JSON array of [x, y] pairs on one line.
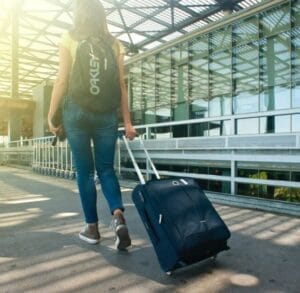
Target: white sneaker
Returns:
[[123, 240], [90, 234]]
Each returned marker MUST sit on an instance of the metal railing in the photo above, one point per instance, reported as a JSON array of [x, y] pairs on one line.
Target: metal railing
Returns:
[[41, 155], [231, 150], [53, 160], [260, 150]]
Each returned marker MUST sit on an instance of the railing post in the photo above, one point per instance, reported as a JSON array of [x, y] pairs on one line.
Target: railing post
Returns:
[[232, 126], [48, 156], [232, 174], [67, 160], [148, 167], [39, 155], [61, 159], [57, 160], [35, 154], [71, 165]]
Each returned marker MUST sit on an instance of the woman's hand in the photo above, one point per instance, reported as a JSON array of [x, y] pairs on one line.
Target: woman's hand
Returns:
[[130, 132], [56, 130], [59, 88]]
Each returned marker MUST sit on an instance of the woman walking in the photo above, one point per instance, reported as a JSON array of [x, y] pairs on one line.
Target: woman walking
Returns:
[[83, 126]]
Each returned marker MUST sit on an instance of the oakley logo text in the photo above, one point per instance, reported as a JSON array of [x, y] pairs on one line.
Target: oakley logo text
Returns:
[[94, 76]]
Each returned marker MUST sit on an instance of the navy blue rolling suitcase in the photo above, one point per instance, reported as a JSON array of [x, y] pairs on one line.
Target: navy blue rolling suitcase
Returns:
[[180, 220]]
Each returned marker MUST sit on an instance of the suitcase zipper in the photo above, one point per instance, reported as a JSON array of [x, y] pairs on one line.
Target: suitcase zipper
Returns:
[[141, 196], [183, 181], [160, 218], [202, 217]]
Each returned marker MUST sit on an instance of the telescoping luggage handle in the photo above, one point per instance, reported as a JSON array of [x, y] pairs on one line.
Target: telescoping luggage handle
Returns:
[[136, 167]]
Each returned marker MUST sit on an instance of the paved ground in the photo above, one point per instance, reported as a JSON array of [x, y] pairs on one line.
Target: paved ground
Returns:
[[40, 250]]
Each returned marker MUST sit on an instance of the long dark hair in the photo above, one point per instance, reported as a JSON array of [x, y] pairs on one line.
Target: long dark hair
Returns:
[[90, 21]]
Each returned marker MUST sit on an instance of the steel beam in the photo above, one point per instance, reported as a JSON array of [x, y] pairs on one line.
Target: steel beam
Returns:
[[15, 49]]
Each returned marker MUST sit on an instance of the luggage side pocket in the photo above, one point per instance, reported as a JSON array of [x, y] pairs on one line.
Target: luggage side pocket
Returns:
[[149, 226]]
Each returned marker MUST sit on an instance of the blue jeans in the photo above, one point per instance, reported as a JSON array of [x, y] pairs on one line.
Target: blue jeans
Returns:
[[82, 128]]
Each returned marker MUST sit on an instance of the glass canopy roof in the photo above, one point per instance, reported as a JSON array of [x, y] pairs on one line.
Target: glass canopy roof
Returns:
[[140, 24]]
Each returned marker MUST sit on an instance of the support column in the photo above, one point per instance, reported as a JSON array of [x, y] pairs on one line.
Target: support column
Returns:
[[41, 96], [270, 56], [14, 121], [15, 50], [233, 172], [14, 126]]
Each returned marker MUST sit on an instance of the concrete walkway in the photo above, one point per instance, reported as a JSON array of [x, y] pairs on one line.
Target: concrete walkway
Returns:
[[40, 250]]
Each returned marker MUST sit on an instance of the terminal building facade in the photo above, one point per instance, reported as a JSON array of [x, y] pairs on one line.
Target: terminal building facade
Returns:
[[235, 83], [220, 104]]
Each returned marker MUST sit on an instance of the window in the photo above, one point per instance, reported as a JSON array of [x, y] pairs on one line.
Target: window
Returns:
[[135, 93], [245, 102], [220, 105], [181, 107], [220, 84], [247, 126], [275, 20], [199, 108], [282, 123], [296, 67], [220, 73], [198, 78], [296, 123], [221, 39], [295, 33], [199, 129], [245, 31], [163, 86], [275, 72], [245, 78], [217, 128], [148, 89], [275, 97], [275, 124], [296, 95], [296, 12]]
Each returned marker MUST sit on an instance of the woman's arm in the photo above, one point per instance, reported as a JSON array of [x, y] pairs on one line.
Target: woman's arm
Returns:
[[129, 129], [60, 85]]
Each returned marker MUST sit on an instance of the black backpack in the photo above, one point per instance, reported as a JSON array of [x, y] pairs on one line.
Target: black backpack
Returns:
[[94, 83]]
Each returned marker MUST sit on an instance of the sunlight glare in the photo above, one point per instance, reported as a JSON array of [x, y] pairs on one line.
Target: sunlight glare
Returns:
[[64, 215], [28, 198], [14, 219], [244, 280]]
